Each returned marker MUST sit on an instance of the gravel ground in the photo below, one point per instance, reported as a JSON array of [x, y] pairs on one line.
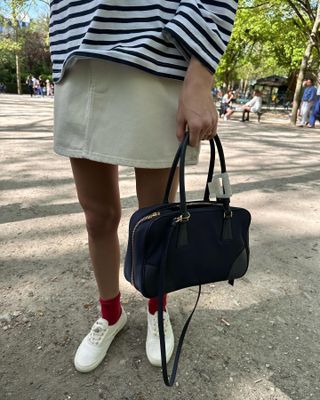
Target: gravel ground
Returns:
[[256, 341]]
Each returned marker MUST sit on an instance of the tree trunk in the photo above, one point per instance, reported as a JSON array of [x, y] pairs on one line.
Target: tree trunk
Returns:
[[16, 27], [303, 67], [18, 74], [241, 85], [245, 87]]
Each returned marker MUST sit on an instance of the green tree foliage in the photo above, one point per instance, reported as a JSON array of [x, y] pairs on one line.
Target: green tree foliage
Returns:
[[35, 50], [24, 50], [268, 38], [7, 60]]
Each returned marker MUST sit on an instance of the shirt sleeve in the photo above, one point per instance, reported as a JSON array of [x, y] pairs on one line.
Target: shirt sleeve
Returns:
[[252, 102], [202, 29], [309, 94]]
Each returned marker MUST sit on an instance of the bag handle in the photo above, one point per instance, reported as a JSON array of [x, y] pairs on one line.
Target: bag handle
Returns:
[[174, 167], [169, 381], [171, 175], [206, 196], [181, 155]]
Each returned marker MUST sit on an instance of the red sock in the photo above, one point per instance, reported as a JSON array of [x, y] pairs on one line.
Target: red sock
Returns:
[[153, 304], [111, 309]]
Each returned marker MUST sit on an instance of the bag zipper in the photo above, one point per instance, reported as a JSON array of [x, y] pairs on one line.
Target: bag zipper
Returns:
[[146, 218]]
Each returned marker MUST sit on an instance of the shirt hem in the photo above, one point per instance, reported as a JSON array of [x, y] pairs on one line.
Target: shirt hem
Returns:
[[71, 59]]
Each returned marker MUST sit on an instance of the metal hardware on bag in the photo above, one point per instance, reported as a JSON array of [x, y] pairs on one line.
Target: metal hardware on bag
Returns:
[[153, 215], [228, 214], [182, 218], [146, 218], [227, 225]]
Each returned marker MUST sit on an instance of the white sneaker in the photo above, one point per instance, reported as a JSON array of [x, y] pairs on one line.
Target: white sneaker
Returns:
[[153, 340], [95, 345]]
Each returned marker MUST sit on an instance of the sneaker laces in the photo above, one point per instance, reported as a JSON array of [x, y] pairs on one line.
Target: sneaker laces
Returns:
[[154, 324], [97, 332]]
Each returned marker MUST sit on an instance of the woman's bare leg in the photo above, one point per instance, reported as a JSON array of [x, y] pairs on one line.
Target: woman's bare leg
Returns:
[[229, 113], [151, 185], [246, 112], [98, 193]]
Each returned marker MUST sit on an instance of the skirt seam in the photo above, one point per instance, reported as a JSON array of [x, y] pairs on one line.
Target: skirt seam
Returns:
[[89, 107]]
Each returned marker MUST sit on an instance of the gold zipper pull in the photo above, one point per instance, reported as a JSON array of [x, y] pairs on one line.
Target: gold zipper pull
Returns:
[[182, 218], [153, 215]]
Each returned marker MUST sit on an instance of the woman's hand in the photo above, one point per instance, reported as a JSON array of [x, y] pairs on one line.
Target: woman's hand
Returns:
[[196, 110]]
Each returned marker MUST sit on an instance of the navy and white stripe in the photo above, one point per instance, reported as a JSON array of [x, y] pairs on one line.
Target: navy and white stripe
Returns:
[[157, 36]]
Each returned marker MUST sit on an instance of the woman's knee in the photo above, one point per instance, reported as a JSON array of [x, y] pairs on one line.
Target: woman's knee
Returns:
[[102, 221]]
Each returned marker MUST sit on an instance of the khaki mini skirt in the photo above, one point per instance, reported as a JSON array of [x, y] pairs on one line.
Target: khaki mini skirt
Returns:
[[113, 113]]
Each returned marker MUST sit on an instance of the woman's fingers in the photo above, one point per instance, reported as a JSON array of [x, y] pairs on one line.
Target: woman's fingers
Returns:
[[211, 131], [202, 131], [194, 133], [199, 114]]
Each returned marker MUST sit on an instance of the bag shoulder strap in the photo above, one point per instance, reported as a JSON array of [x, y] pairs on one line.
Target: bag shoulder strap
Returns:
[[169, 381]]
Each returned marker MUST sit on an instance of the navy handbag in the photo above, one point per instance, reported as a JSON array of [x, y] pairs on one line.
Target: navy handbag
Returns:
[[178, 245]]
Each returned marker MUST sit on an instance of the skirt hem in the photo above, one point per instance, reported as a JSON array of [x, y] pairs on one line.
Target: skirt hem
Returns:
[[154, 164]]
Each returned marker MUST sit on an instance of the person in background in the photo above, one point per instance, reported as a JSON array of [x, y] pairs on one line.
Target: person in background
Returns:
[[316, 109], [219, 95], [303, 86], [41, 86], [36, 86], [48, 86], [308, 99], [3, 87], [29, 83], [254, 105], [226, 105]]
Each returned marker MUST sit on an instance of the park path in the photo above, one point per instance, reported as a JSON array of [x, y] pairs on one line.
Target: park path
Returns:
[[270, 347]]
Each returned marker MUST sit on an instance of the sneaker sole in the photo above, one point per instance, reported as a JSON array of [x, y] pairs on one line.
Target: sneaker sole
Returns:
[[156, 362], [85, 369]]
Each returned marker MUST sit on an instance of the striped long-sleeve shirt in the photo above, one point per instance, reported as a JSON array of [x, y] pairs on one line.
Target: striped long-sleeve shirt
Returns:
[[157, 36]]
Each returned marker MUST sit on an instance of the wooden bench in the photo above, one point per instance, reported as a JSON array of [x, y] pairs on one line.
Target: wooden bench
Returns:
[[259, 114], [238, 110]]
